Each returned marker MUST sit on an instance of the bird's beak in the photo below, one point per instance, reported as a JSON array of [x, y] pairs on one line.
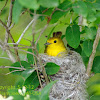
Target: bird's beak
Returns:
[[47, 43]]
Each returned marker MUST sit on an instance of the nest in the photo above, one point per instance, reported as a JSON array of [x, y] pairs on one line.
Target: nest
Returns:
[[71, 77]]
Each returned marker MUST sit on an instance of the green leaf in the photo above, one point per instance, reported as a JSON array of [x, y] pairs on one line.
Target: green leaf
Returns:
[[51, 32], [94, 85], [46, 90], [1, 0], [95, 97], [79, 49], [58, 14], [97, 5], [51, 68], [30, 57], [19, 83], [14, 92], [98, 17], [93, 80], [49, 3], [37, 46], [80, 8], [91, 12], [27, 73], [73, 36], [32, 81], [98, 47], [16, 11], [90, 32], [25, 64], [91, 17], [62, 36], [87, 47], [85, 58], [19, 64], [31, 4], [96, 65], [65, 5]]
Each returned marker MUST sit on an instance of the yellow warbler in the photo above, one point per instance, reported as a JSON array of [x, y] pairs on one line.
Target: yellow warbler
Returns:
[[55, 46]]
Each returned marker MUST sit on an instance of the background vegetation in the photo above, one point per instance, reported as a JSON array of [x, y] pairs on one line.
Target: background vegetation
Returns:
[[25, 25]]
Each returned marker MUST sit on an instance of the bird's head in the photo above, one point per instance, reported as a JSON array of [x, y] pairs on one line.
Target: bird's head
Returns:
[[54, 42]]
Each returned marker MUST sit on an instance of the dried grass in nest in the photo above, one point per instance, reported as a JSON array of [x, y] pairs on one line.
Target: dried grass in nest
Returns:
[[71, 77]]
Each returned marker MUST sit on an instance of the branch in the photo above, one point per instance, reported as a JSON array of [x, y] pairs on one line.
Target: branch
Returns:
[[10, 56], [45, 27], [95, 44], [4, 58], [24, 31], [80, 21], [3, 6], [63, 10], [14, 71], [9, 22], [21, 68], [8, 32]]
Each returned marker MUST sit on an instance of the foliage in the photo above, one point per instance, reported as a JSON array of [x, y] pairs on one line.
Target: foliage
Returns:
[[79, 36]]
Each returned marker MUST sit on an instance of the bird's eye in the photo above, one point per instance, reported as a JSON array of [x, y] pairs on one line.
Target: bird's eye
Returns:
[[55, 41]]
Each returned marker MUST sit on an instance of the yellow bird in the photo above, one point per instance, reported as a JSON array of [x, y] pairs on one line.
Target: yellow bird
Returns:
[[55, 46]]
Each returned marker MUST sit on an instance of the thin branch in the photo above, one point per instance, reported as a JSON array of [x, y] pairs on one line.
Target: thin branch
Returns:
[[26, 47], [13, 71], [24, 31], [1, 43], [21, 68], [4, 6], [28, 52], [8, 51], [11, 38], [64, 10], [10, 14], [80, 22], [12, 25], [95, 44], [45, 10], [9, 22], [45, 27], [7, 30], [38, 73], [4, 58], [10, 55]]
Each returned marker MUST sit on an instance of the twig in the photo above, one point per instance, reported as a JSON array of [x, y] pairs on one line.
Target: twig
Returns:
[[45, 27], [10, 55], [8, 29], [37, 14], [21, 68], [26, 47], [32, 43], [9, 22], [4, 58], [1, 43], [95, 44], [10, 37], [80, 21], [28, 52], [12, 25], [63, 10], [4, 6], [38, 73], [24, 31], [45, 10], [13, 71]]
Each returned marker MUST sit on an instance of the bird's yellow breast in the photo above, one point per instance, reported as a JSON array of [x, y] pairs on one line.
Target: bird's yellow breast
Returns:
[[55, 47]]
